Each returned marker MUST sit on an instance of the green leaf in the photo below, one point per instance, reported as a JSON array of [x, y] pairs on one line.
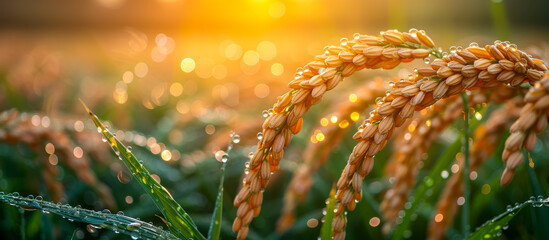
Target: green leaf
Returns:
[[491, 228], [428, 182], [539, 218], [327, 229], [215, 225], [178, 221], [115, 222]]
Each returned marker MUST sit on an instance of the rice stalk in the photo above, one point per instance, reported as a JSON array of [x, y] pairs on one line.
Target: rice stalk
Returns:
[[462, 70], [310, 83], [328, 134]]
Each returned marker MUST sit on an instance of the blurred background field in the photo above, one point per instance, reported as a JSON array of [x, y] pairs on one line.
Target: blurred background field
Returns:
[[175, 77]]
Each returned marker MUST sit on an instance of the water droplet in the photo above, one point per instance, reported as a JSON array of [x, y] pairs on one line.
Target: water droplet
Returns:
[[39, 198], [473, 44], [236, 138], [92, 228], [426, 60], [225, 158], [30, 197], [413, 217], [120, 213], [259, 135], [129, 148], [104, 139], [106, 211], [407, 205], [429, 181]]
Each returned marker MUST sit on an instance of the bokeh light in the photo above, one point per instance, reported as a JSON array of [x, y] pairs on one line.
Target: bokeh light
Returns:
[[187, 65]]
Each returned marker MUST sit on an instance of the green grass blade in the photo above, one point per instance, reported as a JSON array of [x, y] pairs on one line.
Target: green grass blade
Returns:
[[327, 229], [428, 182], [540, 217], [215, 225], [22, 224], [115, 222], [491, 228], [178, 221]]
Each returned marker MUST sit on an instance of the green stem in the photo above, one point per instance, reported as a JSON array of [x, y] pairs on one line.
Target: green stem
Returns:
[[466, 193], [499, 19], [539, 216], [22, 224]]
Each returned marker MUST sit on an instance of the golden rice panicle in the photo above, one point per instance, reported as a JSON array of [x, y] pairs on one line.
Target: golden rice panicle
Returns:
[[421, 132], [327, 134], [532, 120], [310, 83], [443, 79], [486, 137]]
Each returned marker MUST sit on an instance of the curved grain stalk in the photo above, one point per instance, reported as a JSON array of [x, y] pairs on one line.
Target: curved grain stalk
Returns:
[[308, 87], [317, 153], [423, 131], [463, 70], [532, 120]]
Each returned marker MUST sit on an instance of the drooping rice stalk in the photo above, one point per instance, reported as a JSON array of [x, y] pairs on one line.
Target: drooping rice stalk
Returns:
[[462, 70], [308, 86], [327, 135]]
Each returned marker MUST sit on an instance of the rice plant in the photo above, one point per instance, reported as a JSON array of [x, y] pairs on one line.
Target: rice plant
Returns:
[[475, 93]]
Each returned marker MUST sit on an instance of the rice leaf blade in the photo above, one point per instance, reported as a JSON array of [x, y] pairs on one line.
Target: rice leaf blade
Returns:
[[115, 222], [179, 222], [491, 228], [217, 217]]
